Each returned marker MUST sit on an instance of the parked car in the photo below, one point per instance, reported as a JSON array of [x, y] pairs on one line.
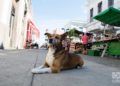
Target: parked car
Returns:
[[34, 46]]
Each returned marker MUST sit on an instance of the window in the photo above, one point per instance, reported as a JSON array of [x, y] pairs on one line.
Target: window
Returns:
[[99, 7], [12, 20], [110, 3], [91, 14], [25, 10]]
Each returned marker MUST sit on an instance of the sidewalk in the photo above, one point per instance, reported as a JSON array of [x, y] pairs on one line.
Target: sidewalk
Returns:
[[15, 67], [107, 61], [15, 70]]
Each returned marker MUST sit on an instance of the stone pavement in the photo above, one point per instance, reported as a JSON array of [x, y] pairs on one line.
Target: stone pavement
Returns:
[[16, 65]]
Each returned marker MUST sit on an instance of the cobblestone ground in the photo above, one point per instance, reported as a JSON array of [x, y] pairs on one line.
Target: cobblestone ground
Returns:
[[16, 65]]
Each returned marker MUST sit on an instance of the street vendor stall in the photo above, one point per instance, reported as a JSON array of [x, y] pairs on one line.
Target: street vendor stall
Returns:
[[113, 47], [76, 43], [111, 43]]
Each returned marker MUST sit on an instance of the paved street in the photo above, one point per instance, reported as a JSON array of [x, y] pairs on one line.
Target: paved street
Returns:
[[15, 67]]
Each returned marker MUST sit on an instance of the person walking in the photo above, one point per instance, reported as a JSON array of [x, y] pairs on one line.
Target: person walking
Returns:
[[84, 39]]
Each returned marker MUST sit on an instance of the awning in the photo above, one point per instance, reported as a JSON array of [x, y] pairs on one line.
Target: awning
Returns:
[[110, 16]]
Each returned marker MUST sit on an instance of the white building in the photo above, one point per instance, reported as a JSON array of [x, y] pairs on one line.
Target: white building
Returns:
[[77, 24], [94, 7], [13, 22]]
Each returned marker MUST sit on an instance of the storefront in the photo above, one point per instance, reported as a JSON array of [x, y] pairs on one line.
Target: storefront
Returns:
[[33, 33]]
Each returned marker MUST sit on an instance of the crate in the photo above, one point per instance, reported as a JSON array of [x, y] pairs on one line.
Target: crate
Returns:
[[114, 48], [93, 53]]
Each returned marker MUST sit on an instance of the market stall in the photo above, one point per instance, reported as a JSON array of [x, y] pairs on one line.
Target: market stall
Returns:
[[76, 45], [110, 43]]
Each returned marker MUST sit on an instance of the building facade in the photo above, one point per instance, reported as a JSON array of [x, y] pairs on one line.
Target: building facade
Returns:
[[14, 17], [94, 7], [5, 11], [77, 24]]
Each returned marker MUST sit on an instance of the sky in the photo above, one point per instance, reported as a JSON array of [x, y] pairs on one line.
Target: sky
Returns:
[[52, 14]]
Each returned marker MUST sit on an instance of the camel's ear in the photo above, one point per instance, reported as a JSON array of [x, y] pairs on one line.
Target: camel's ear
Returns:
[[48, 35]]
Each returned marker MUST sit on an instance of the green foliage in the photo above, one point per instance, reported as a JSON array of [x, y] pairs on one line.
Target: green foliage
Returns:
[[72, 32]]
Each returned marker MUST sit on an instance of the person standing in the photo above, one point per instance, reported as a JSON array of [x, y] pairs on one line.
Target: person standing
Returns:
[[84, 39]]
